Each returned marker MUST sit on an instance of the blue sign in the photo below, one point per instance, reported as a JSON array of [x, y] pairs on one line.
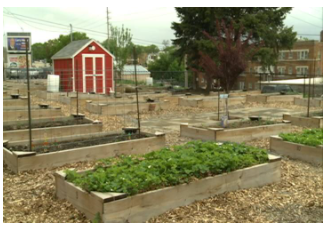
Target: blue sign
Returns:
[[16, 44]]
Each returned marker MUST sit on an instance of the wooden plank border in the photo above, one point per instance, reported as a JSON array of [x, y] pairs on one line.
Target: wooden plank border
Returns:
[[297, 151], [311, 122], [32, 161], [233, 135], [52, 132], [117, 207]]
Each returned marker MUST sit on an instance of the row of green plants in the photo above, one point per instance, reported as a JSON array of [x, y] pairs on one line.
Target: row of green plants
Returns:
[[167, 167], [310, 137]]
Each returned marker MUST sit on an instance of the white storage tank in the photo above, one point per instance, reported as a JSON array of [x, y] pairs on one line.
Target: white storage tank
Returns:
[[53, 83]]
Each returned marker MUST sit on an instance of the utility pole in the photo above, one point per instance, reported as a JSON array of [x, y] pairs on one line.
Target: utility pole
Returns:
[[108, 26], [71, 38]]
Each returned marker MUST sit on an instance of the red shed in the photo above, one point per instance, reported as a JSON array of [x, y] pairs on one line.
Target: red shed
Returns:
[[86, 66]]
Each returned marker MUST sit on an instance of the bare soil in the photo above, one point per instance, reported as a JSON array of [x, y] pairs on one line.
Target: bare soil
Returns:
[[53, 123], [92, 141]]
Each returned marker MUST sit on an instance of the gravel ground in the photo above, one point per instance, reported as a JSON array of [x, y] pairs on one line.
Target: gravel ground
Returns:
[[30, 196]]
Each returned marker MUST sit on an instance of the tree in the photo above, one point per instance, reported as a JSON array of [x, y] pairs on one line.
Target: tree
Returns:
[[120, 44], [266, 24], [234, 50], [46, 50], [167, 66], [166, 44]]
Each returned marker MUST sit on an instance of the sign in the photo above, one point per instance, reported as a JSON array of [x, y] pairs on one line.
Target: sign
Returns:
[[16, 44], [224, 96], [18, 60]]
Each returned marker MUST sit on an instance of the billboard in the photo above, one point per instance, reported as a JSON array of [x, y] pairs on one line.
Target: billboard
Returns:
[[16, 44], [18, 61]]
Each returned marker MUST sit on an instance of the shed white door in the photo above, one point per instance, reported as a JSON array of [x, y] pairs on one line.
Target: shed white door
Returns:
[[93, 73]]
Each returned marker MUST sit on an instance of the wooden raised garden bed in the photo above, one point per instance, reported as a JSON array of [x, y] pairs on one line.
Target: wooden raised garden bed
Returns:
[[101, 145], [304, 102], [120, 109], [270, 98], [209, 101], [39, 113], [232, 135], [15, 102], [116, 207], [49, 128], [297, 151], [311, 122]]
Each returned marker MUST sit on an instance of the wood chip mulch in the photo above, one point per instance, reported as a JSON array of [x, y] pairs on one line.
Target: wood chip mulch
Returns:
[[30, 196]]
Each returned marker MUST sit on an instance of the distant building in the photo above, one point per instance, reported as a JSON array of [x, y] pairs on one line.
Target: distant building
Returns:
[[40, 64], [129, 73], [304, 59]]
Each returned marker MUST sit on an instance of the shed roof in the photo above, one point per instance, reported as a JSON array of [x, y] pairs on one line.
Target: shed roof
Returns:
[[73, 48], [130, 70], [69, 50]]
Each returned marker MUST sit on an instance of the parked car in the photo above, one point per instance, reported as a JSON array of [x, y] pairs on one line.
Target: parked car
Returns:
[[44, 72], [17, 73], [276, 89]]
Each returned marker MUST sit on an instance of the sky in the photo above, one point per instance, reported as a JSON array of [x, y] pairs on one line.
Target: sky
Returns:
[[148, 24]]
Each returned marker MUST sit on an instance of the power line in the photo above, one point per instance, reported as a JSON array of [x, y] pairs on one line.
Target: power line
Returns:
[[144, 18], [305, 21], [24, 21], [309, 14], [78, 28]]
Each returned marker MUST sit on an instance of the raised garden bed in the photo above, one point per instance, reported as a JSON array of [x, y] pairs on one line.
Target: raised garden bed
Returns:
[[306, 146], [209, 101], [270, 98], [309, 122], [304, 102], [235, 132], [15, 115], [15, 102], [134, 189], [50, 128], [101, 145], [120, 109]]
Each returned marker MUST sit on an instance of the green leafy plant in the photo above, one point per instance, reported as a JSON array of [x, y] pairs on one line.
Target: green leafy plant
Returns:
[[313, 137], [167, 167]]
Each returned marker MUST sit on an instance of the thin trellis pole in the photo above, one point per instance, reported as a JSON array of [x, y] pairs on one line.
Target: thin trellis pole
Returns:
[[135, 64]]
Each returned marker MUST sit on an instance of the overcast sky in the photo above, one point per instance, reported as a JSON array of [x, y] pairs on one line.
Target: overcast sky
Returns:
[[149, 25]]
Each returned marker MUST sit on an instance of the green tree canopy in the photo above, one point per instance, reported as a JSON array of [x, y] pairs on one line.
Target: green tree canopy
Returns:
[[120, 45], [265, 24], [46, 50]]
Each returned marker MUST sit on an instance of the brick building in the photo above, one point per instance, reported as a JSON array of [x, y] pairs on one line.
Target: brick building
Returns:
[[304, 59]]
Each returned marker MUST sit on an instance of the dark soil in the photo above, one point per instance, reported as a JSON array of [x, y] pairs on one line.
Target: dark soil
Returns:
[[53, 123], [46, 147], [243, 124]]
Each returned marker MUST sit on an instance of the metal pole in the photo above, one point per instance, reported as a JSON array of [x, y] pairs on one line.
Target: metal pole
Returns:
[[77, 88], [259, 81], [218, 101], [28, 96], [309, 97], [135, 64], [186, 73], [304, 85]]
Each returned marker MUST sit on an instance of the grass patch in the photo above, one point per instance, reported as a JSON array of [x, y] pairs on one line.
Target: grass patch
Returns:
[[167, 167], [313, 137]]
